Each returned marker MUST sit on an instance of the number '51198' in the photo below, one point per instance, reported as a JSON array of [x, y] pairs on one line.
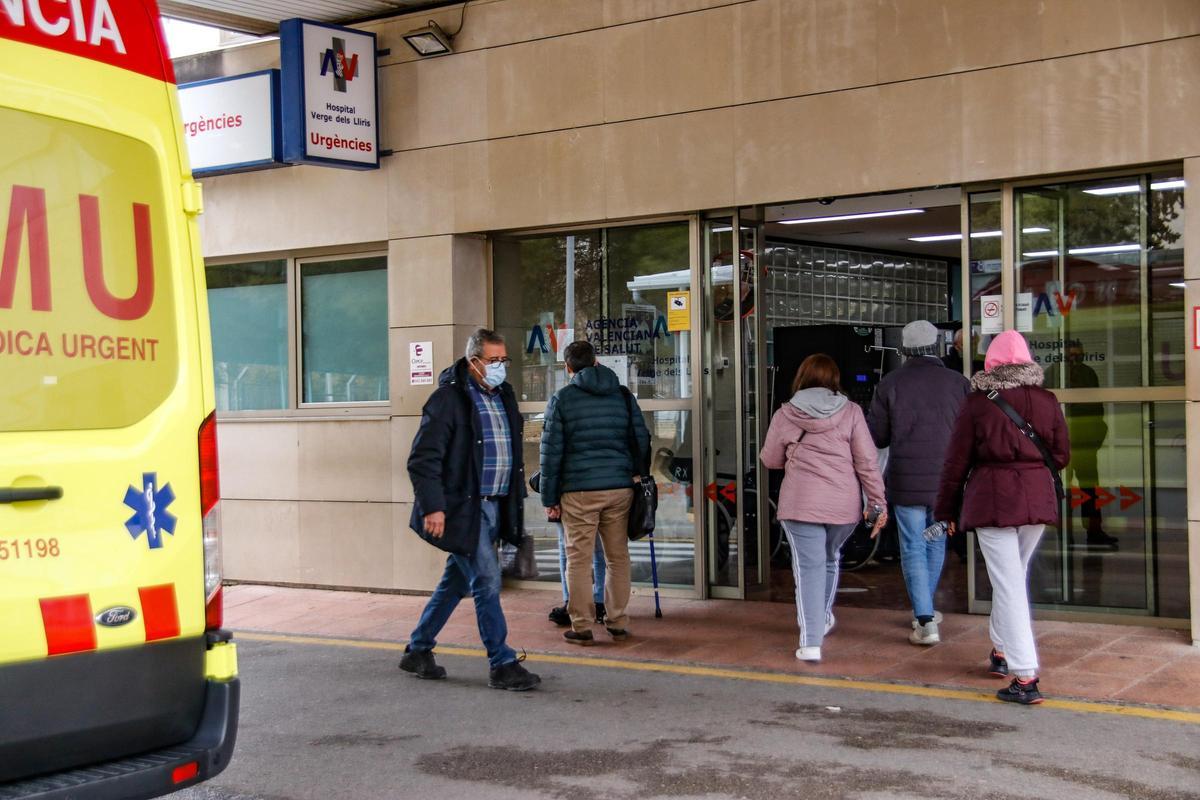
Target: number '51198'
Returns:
[[28, 548]]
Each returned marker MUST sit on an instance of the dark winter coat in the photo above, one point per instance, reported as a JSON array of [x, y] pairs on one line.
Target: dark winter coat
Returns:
[[446, 463], [913, 414], [585, 441], [1006, 481]]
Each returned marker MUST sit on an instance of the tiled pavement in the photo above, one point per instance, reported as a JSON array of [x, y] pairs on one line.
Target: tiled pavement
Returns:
[[1080, 660]]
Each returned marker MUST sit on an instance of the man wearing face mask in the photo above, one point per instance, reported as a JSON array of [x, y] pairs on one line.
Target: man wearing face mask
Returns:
[[469, 481]]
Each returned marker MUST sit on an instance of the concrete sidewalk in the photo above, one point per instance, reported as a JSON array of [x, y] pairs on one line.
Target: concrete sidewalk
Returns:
[[1085, 661]]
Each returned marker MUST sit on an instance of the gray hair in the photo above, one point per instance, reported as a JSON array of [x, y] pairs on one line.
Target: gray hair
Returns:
[[478, 339]]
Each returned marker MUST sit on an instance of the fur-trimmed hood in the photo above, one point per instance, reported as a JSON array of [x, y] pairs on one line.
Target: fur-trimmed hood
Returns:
[[1008, 376]]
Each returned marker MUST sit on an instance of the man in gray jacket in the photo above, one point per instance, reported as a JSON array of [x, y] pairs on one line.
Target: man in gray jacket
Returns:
[[588, 465], [913, 414]]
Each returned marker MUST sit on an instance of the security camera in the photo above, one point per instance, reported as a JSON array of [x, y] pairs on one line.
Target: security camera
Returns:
[[825, 201]]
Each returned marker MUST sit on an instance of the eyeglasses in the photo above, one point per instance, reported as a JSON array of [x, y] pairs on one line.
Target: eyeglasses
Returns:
[[498, 360]]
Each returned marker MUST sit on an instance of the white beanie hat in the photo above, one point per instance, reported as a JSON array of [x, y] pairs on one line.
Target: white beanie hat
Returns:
[[919, 338]]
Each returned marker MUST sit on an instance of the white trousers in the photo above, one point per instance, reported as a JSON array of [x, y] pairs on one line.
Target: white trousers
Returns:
[[1007, 552]]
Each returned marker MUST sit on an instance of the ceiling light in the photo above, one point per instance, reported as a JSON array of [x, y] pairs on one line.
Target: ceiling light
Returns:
[[842, 217], [721, 229], [1085, 251], [1180, 285], [941, 237], [429, 41], [1159, 186], [1035, 230], [1108, 248], [1107, 190]]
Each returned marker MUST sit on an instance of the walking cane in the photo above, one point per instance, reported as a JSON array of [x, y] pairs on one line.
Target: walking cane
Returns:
[[654, 576]]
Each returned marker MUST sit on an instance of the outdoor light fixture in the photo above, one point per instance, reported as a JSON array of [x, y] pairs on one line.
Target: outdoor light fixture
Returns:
[[843, 217], [429, 41]]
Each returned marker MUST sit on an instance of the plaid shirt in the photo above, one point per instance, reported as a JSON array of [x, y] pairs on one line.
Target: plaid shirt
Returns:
[[497, 440]]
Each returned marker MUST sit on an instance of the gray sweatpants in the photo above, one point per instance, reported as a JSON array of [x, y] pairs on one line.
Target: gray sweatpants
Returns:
[[816, 556]]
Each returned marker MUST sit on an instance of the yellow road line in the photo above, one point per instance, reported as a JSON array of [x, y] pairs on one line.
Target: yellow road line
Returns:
[[1083, 706]]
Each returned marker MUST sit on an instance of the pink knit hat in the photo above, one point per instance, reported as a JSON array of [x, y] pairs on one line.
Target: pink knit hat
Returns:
[[1007, 348]]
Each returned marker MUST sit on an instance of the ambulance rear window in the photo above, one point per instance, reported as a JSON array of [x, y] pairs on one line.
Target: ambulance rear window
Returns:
[[87, 319]]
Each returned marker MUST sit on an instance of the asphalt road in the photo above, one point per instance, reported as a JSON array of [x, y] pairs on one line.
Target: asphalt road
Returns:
[[326, 721]]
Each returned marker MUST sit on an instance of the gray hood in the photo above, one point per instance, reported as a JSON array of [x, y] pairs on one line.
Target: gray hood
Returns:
[[818, 402]]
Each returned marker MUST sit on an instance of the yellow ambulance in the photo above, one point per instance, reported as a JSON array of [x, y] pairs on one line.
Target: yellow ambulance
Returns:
[[116, 679]]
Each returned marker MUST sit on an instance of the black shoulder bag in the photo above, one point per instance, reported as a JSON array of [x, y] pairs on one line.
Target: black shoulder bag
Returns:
[[1032, 435], [645, 491]]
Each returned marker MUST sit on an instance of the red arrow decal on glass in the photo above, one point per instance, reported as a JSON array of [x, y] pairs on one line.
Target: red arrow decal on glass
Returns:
[[729, 492], [710, 491], [1129, 497], [1103, 496], [1079, 497]]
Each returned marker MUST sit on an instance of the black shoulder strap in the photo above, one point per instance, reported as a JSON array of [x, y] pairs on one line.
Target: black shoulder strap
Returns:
[[635, 452], [1032, 435]]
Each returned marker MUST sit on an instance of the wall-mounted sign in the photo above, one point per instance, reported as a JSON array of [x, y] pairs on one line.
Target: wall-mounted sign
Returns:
[[231, 124], [679, 312], [330, 103], [1196, 328], [991, 314], [420, 363], [1024, 311]]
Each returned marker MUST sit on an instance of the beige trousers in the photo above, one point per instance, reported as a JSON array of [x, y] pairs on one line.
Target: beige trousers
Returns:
[[584, 514]]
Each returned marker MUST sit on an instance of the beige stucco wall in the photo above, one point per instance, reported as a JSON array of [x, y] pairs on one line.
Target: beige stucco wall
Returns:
[[570, 111]]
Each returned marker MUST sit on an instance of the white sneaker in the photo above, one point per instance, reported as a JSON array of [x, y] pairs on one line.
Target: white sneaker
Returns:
[[829, 623], [937, 618], [926, 634], [809, 654]]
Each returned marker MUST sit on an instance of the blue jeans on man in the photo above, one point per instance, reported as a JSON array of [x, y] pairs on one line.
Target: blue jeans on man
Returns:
[[921, 561], [478, 576]]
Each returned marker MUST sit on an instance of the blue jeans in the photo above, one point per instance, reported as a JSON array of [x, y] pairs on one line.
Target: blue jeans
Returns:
[[921, 561], [599, 571], [479, 576]]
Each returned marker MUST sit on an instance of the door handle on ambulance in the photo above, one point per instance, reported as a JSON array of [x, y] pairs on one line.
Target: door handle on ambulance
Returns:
[[12, 494]]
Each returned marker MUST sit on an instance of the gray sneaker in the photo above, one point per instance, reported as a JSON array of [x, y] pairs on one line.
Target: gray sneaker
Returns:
[[926, 634]]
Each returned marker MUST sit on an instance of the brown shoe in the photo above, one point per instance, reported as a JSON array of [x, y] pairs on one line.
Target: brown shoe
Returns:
[[584, 639], [618, 634]]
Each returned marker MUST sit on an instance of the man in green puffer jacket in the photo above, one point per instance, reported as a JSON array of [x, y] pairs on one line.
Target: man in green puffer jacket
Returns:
[[587, 481]]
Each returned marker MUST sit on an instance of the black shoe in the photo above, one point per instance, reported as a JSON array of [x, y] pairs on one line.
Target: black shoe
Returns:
[[422, 665], [618, 634], [512, 677], [601, 613], [585, 639], [1024, 692], [999, 665], [560, 617]]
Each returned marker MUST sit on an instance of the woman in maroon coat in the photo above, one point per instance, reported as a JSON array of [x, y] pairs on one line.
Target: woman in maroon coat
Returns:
[[999, 479]]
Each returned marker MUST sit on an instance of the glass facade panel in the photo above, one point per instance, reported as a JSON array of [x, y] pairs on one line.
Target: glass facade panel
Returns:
[[609, 287], [1101, 264], [674, 534], [247, 306], [344, 330]]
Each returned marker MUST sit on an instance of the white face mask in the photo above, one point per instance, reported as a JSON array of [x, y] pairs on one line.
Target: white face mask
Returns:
[[494, 374]]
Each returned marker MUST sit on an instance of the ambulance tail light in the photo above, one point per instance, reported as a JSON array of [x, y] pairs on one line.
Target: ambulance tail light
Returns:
[[210, 509]]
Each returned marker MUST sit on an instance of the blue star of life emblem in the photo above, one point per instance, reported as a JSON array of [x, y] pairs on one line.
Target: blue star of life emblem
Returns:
[[150, 515]]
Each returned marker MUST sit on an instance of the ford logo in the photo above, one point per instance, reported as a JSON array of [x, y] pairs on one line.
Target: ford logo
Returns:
[[116, 616]]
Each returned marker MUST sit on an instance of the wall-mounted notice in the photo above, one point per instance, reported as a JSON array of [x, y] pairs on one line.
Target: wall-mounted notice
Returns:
[[679, 311], [619, 365], [1196, 328], [1024, 311], [330, 103], [991, 314], [420, 363], [231, 124]]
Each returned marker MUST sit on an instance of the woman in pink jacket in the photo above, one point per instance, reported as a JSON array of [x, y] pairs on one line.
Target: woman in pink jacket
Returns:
[[821, 442]]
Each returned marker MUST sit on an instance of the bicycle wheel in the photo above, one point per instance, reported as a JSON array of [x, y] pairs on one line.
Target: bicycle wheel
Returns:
[[859, 549]]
